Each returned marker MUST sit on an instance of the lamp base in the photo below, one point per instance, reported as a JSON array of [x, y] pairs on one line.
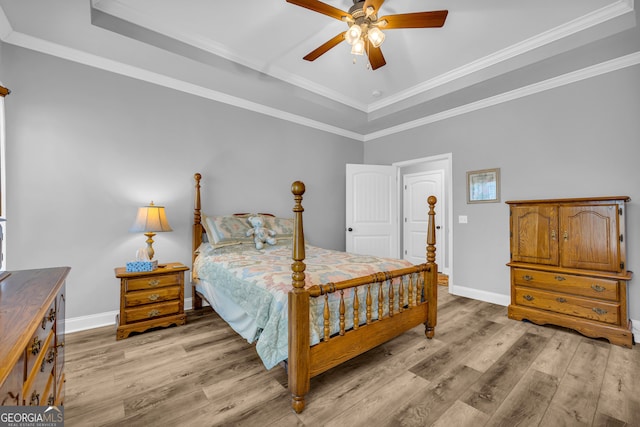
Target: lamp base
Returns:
[[150, 250]]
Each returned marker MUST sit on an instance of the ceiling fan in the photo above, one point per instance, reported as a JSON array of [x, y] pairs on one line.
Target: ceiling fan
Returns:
[[364, 33]]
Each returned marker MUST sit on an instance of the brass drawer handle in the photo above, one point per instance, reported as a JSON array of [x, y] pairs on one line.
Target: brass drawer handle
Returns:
[[49, 318], [35, 399], [527, 277], [599, 311], [553, 234], [51, 356], [598, 288], [153, 313], [154, 282], [36, 345], [561, 300], [559, 278], [153, 297], [528, 297]]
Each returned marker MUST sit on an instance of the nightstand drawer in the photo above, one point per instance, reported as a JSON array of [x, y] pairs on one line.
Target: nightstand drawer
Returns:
[[577, 285], [153, 282], [151, 311], [600, 311], [133, 299]]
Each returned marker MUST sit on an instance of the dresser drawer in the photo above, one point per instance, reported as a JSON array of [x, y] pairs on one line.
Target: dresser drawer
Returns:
[[41, 391], [153, 282], [151, 311], [567, 283], [133, 299], [39, 373], [38, 348], [600, 311]]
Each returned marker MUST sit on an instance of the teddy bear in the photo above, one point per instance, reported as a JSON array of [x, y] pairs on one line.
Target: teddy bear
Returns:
[[261, 234]]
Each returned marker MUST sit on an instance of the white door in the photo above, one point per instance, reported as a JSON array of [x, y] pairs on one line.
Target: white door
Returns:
[[372, 210], [416, 189]]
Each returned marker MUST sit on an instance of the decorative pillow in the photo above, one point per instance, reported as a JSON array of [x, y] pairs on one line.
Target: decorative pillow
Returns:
[[282, 226], [226, 228]]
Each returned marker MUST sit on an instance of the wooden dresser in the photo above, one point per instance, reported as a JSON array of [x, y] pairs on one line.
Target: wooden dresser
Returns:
[[151, 299], [568, 265], [32, 329]]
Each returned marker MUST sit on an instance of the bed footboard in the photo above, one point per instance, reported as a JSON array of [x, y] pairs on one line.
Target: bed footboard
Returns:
[[411, 296]]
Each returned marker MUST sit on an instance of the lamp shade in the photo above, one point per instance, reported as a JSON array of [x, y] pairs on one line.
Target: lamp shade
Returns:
[[151, 218]]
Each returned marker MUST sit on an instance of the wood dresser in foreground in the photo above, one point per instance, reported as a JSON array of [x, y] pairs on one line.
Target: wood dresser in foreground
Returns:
[[32, 329], [568, 265]]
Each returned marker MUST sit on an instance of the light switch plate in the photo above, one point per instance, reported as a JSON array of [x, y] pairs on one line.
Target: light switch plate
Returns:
[[462, 219]]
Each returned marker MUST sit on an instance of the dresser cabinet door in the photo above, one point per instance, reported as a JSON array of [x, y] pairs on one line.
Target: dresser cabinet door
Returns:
[[590, 237], [534, 234]]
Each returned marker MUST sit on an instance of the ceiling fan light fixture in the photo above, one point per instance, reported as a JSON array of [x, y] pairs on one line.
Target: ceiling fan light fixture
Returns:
[[375, 36], [358, 47], [353, 34]]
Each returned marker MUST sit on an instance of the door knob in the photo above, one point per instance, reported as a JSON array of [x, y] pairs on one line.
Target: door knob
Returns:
[[349, 229], [437, 227]]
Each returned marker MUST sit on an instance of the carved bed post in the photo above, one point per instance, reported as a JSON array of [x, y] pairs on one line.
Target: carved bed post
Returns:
[[196, 241], [431, 276], [299, 340]]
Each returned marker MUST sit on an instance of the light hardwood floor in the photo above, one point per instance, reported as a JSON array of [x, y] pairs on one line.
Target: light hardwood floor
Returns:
[[481, 369]]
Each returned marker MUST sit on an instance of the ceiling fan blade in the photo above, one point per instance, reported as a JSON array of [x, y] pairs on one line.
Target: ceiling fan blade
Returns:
[[373, 3], [376, 59], [318, 6], [313, 55], [415, 20]]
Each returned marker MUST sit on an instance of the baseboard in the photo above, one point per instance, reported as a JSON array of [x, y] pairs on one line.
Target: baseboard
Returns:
[[478, 294], [82, 323]]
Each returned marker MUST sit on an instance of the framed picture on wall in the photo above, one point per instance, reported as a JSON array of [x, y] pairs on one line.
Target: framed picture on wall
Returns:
[[483, 186]]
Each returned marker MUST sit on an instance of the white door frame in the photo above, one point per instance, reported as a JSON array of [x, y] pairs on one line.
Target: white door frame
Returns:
[[448, 189]]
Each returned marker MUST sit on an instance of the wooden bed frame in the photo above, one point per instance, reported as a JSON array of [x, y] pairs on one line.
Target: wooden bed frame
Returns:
[[417, 303]]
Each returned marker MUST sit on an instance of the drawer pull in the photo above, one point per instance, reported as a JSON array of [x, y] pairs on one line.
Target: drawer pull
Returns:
[[36, 345], [559, 278], [51, 356], [50, 400], [48, 318], [561, 300], [527, 277], [599, 311], [154, 282], [153, 297], [528, 297], [598, 288], [153, 313], [35, 399]]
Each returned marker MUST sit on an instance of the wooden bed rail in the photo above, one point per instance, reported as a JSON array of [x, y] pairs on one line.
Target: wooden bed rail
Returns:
[[304, 361], [383, 276]]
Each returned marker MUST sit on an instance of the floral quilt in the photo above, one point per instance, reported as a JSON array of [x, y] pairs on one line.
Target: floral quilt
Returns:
[[259, 282]]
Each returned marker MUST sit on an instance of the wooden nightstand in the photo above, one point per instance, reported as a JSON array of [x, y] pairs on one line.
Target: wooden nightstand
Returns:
[[150, 299]]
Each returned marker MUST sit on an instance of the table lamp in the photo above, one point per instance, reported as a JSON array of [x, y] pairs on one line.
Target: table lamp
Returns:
[[150, 220]]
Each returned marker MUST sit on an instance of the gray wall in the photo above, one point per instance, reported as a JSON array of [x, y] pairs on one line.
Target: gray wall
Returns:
[[86, 147], [578, 140]]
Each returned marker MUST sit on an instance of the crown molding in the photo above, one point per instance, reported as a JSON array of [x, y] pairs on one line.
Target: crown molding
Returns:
[[8, 35], [532, 89], [587, 21]]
